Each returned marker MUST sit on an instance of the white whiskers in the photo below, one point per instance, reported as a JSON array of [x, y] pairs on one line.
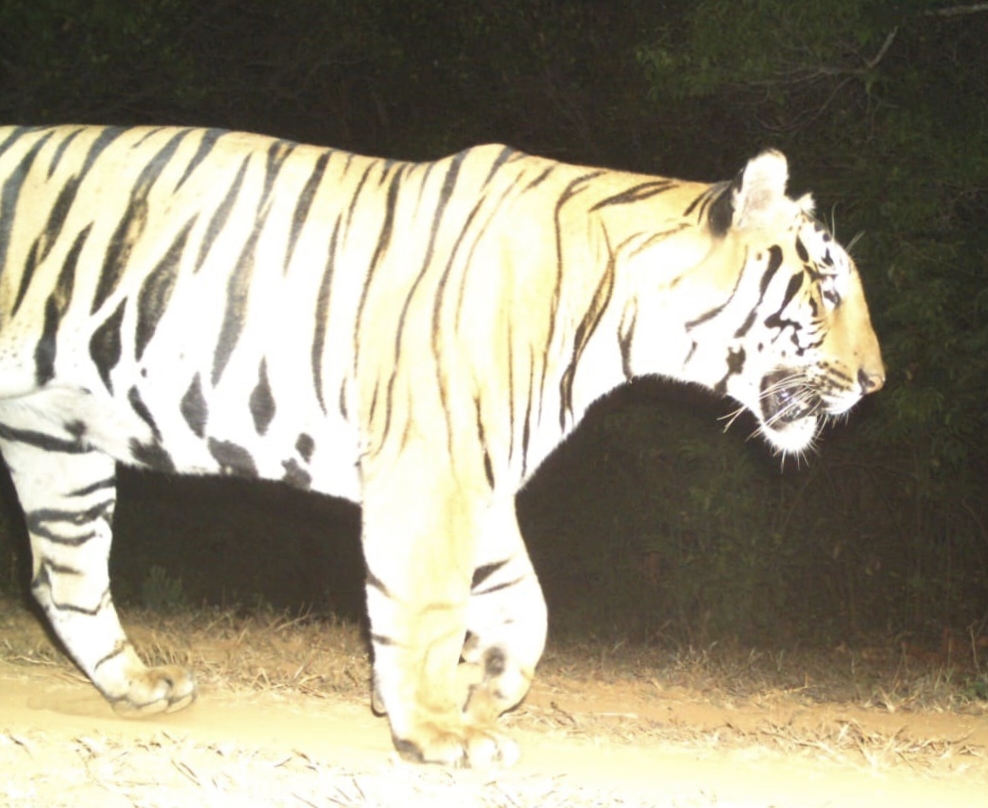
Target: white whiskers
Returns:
[[731, 417]]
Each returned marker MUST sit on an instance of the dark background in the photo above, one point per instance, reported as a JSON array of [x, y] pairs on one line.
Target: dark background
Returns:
[[649, 524]]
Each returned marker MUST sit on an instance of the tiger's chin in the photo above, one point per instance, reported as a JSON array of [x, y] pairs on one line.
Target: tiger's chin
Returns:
[[791, 437]]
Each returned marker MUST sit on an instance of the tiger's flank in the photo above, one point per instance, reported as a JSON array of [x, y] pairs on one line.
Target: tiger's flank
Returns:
[[415, 337]]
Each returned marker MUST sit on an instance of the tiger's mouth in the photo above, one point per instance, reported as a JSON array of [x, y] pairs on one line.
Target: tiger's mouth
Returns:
[[790, 408]]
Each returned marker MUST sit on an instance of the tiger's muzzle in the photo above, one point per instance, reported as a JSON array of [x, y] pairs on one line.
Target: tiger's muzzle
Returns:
[[786, 398]]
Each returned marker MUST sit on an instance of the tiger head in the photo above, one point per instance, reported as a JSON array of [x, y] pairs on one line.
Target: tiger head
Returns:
[[775, 312]]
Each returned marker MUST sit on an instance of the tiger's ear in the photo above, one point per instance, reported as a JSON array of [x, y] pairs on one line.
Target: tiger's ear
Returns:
[[758, 193]]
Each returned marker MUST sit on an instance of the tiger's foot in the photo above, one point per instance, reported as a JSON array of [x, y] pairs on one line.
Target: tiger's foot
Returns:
[[457, 745], [149, 691]]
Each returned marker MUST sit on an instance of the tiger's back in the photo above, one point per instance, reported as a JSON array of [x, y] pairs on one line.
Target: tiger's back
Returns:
[[153, 264], [413, 336]]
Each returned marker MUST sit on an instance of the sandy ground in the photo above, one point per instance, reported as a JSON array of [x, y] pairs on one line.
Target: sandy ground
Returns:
[[61, 745]]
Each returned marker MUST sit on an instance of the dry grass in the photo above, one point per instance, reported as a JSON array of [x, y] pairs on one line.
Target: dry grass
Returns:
[[303, 656], [883, 683], [167, 771]]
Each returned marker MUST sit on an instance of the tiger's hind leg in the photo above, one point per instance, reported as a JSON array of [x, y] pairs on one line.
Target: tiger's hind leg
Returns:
[[68, 491]]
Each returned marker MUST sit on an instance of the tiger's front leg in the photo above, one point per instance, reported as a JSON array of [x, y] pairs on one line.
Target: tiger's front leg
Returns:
[[420, 534], [506, 619]]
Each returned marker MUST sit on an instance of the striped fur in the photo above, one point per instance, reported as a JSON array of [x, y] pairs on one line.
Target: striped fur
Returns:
[[416, 337]]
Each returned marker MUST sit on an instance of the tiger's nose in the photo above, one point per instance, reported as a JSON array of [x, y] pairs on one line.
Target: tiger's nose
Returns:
[[870, 381]]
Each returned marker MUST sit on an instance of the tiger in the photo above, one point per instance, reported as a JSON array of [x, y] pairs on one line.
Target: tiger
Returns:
[[415, 337]]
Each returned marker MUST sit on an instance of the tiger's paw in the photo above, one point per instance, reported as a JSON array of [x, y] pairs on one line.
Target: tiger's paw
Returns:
[[165, 689], [459, 748]]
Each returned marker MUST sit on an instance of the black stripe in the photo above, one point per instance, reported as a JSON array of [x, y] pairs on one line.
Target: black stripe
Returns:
[[194, 408], [76, 428], [55, 307], [322, 314], [539, 179], [305, 446], [105, 599], [423, 181], [511, 392], [62, 541], [383, 240], [295, 475], [149, 132], [138, 406], [105, 139], [235, 314], [690, 353], [699, 200], [152, 455], [206, 145], [66, 277], [278, 153], [795, 284], [485, 571], [218, 222], [721, 211], [59, 212], [132, 223], [735, 367], [119, 647], [801, 251], [86, 490], [232, 459], [636, 193], [711, 313], [9, 194], [60, 569], [373, 402], [262, 405], [774, 262], [440, 296], [746, 325], [105, 345], [351, 209], [498, 587], [626, 336], [30, 264], [501, 159], [575, 187], [584, 331], [44, 351], [342, 400], [40, 440], [526, 431], [303, 204], [482, 439], [16, 133], [61, 149], [156, 290], [374, 582]]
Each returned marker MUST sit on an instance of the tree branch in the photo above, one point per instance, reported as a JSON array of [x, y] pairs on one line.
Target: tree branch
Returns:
[[958, 11], [870, 65]]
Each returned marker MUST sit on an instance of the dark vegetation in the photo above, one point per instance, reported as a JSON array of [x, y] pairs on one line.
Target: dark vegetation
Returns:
[[649, 523]]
